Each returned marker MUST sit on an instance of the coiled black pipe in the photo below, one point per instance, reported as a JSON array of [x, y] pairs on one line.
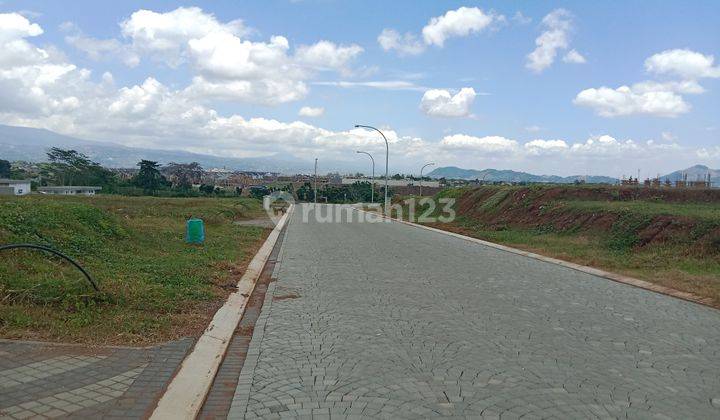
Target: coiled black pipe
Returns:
[[52, 251]]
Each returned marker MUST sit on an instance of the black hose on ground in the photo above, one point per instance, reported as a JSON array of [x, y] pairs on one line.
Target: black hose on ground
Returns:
[[54, 252]]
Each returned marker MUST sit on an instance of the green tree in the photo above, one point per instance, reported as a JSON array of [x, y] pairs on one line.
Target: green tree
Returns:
[[149, 177], [305, 192], [5, 168], [259, 191], [70, 167], [207, 189], [183, 175]]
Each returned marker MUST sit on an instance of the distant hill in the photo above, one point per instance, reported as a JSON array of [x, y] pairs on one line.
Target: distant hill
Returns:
[[31, 144], [496, 175], [694, 173]]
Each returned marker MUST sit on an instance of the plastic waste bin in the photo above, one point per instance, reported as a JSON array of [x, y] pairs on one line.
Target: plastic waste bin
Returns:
[[195, 232]]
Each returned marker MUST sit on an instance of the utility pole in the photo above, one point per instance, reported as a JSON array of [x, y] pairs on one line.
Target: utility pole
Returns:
[[421, 178], [315, 189], [387, 155], [372, 179]]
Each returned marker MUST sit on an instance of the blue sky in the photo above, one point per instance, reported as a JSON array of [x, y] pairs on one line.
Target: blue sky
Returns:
[[552, 87]]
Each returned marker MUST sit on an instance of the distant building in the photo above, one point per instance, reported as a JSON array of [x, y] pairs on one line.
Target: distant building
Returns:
[[14, 187], [630, 181], [393, 182], [69, 190], [125, 174]]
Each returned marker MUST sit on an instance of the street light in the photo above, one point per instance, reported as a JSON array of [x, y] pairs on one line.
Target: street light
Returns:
[[372, 183], [421, 170], [315, 189], [387, 155]]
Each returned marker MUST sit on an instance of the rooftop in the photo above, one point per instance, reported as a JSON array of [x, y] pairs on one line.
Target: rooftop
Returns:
[[70, 187], [14, 181]]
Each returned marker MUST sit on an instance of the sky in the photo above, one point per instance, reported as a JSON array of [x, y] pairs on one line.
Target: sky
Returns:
[[562, 88]]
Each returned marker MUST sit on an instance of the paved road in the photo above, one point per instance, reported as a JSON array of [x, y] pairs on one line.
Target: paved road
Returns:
[[388, 320]]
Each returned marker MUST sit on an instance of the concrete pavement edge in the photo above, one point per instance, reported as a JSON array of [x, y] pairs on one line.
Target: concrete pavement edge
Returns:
[[186, 392]]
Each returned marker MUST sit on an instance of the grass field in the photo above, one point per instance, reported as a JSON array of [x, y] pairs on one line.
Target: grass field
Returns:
[[700, 211], [154, 286]]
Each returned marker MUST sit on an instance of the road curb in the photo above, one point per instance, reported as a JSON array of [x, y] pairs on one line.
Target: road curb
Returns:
[[642, 284], [186, 392]]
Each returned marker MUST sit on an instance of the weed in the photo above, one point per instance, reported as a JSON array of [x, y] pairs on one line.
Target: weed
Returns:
[[492, 204], [624, 234], [153, 283]]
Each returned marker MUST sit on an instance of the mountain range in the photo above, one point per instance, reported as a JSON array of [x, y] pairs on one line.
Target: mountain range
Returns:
[[694, 173], [31, 144], [495, 175], [506, 175]]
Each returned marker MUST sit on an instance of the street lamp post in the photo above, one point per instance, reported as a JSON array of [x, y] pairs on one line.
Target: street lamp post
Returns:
[[421, 171], [387, 155], [372, 179], [315, 188]]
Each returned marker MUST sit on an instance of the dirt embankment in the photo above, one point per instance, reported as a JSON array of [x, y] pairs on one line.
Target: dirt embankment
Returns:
[[628, 217]]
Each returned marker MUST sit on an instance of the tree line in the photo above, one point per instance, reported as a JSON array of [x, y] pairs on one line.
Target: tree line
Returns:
[[70, 167]]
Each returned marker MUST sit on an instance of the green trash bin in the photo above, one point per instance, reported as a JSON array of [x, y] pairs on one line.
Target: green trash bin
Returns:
[[195, 232]]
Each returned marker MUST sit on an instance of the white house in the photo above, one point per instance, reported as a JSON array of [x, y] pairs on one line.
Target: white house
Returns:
[[69, 190], [391, 182], [14, 186]]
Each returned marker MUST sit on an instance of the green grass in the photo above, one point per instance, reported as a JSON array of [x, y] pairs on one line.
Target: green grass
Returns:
[[710, 212], [154, 286]]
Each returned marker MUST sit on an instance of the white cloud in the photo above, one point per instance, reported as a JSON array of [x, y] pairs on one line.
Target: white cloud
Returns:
[[375, 84], [43, 90], [263, 91], [16, 26], [574, 57], [326, 55], [225, 56], [521, 19], [227, 66], [555, 36], [668, 136], [98, 49], [35, 81], [14, 49], [39, 87], [140, 100], [663, 99], [684, 87], [308, 111], [581, 155], [625, 100], [533, 128], [457, 23], [488, 144], [683, 63], [539, 146], [441, 103], [454, 23], [408, 44], [165, 36], [709, 152], [604, 145]]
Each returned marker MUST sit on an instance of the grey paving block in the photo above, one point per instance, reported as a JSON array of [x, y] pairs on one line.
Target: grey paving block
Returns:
[[399, 322]]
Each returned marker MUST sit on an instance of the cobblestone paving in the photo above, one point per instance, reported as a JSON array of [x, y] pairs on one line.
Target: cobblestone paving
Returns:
[[219, 399], [43, 380], [387, 320]]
